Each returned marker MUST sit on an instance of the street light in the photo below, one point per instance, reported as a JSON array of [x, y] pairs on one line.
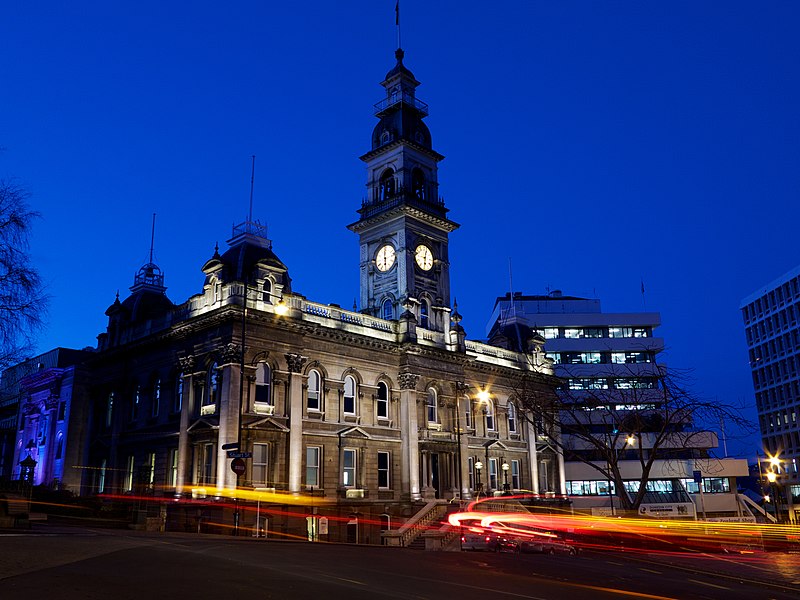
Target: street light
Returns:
[[630, 440], [478, 467], [506, 487]]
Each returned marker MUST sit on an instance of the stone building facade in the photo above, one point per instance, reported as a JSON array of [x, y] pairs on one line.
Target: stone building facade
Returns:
[[367, 414]]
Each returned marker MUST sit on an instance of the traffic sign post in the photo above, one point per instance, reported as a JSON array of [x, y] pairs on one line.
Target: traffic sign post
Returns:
[[234, 454], [238, 466]]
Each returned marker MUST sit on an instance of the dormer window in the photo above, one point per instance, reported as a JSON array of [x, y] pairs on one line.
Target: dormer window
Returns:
[[266, 291]]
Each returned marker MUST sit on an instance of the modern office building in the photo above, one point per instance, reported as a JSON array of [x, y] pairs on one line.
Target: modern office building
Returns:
[[771, 317], [614, 359]]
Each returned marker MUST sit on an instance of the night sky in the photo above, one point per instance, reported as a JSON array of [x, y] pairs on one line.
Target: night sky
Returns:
[[597, 145]]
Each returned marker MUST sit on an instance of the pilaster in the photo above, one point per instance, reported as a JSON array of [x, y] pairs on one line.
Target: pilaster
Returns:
[[295, 364]]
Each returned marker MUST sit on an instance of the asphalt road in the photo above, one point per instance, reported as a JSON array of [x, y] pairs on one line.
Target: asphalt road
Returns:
[[84, 564]]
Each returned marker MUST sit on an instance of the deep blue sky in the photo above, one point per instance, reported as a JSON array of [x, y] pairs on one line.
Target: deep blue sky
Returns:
[[596, 144]]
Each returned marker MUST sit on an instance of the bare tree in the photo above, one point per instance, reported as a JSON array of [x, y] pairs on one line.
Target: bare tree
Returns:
[[22, 298], [631, 419]]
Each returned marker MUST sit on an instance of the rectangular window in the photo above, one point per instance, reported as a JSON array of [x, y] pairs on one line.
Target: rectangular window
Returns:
[[62, 410], [101, 480], [383, 470], [554, 356], [109, 409], [382, 406], [137, 396], [349, 405], [207, 466], [550, 333], [572, 333], [593, 332], [471, 472], [590, 358], [515, 482], [493, 473], [468, 413], [620, 332], [149, 476], [618, 358], [129, 474], [260, 464], [156, 405], [172, 470], [312, 465], [349, 468], [641, 332]]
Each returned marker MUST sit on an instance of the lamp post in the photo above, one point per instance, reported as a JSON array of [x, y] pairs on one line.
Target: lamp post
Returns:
[[506, 487], [478, 467], [772, 477]]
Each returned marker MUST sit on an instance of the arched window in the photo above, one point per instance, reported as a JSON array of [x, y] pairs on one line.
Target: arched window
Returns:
[[387, 310], [156, 405], [418, 183], [266, 291], [177, 402], [349, 395], [424, 322], [489, 416], [313, 390], [431, 405], [512, 418], [382, 407], [210, 398], [217, 289], [386, 186], [385, 138], [59, 446], [263, 383], [137, 397]]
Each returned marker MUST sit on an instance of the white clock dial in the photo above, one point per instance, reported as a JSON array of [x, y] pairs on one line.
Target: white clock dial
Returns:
[[424, 257], [385, 258]]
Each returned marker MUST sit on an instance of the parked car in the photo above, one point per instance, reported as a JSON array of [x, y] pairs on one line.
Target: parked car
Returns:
[[473, 540]]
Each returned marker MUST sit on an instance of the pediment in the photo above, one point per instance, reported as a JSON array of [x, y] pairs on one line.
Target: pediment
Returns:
[[202, 424], [267, 423], [355, 432]]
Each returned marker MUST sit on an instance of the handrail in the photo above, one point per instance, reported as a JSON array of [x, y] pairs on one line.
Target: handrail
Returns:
[[412, 528]]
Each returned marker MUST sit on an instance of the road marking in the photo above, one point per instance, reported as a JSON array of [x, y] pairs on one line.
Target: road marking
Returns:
[[650, 571], [714, 585], [611, 562], [350, 581], [622, 592]]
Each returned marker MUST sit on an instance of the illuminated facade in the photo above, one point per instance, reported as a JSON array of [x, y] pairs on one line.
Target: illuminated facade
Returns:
[[613, 356], [48, 425], [375, 413], [771, 318]]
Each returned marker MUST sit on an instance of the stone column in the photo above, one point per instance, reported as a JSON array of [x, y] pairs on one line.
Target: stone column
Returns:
[[562, 472], [183, 475], [228, 410], [410, 437], [533, 457], [295, 363]]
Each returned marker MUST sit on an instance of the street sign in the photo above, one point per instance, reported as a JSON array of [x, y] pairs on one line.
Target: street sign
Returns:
[[231, 446], [234, 454], [238, 467]]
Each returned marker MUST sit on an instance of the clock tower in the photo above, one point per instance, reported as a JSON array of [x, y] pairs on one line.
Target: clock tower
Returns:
[[403, 229]]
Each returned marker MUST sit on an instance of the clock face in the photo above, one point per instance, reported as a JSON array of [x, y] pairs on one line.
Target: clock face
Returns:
[[424, 257], [385, 258]]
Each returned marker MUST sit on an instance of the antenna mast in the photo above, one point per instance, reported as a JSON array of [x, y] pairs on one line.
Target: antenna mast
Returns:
[[152, 237], [252, 183], [397, 21]]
